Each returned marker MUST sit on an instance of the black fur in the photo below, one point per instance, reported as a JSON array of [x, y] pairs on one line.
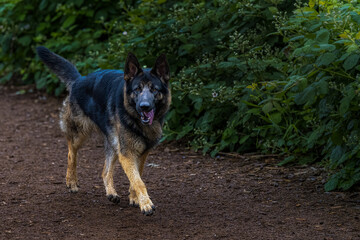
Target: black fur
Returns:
[[65, 70]]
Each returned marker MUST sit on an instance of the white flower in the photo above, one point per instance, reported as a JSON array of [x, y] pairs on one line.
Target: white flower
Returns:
[[124, 33]]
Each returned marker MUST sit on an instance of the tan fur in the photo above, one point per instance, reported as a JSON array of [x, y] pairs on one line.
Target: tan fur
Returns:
[[71, 175], [132, 192], [138, 192], [107, 174]]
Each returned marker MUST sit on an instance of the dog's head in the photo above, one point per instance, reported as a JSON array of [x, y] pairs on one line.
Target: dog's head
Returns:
[[147, 95]]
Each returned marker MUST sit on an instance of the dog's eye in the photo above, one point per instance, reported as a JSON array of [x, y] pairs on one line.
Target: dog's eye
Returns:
[[154, 90], [138, 89]]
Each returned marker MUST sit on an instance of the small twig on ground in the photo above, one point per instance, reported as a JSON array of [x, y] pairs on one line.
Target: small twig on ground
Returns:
[[233, 155]]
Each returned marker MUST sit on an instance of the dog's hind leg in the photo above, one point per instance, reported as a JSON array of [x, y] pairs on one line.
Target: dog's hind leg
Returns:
[[77, 129], [133, 199], [71, 175], [108, 173]]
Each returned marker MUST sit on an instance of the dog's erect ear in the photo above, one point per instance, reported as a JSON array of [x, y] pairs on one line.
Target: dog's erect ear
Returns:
[[132, 67], [161, 68]]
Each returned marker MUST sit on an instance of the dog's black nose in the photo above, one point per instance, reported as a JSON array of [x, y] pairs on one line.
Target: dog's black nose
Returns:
[[145, 106]]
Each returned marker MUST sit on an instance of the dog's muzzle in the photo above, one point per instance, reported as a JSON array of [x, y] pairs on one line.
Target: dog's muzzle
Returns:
[[147, 118]]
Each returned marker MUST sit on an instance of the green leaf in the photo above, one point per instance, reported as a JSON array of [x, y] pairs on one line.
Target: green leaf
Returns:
[[337, 139], [327, 47], [315, 26], [69, 21], [336, 153], [273, 10], [78, 3], [351, 61], [278, 106], [226, 64], [343, 41], [6, 78], [186, 49], [198, 103], [306, 96], [103, 14], [255, 111], [287, 160], [355, 16], [25, 40], [345, 102], [267, 107], [344, 105], [296, 38], [197, 27], [344, 56], [243, 139], [230, 136], [354, 47], [323, 86], [346, 185], [275, 118], [43, 4], [6, 42], [322, 36], [332, 183], [207, 65], [60, 89], [185, 130], [182, 109], [40, 83], [325, 59], [250, 104]]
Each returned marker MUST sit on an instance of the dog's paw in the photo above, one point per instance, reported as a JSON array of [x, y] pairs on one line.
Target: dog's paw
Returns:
[[133, 200], [113, 198], [148, 209], [134, 203], [73, 187]]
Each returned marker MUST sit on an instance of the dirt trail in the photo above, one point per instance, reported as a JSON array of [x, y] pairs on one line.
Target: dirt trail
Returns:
[[196, 197]]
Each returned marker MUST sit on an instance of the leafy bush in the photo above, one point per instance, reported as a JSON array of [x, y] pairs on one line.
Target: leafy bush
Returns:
[[216, 49], [247, 75], [241, 93], [71, 28], [323, 44]]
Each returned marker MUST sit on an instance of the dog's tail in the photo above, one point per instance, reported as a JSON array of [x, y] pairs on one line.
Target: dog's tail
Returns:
[[65, 70]]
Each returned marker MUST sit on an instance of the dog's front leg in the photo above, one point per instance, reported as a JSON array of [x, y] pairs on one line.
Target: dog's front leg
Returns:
[[132, 171], [133, 199]]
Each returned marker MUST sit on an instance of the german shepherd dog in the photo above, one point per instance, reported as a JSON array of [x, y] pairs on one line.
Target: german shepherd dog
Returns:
[[127, 107]]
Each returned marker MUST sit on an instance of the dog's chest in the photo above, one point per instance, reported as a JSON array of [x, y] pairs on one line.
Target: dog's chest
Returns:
[[141, 141]]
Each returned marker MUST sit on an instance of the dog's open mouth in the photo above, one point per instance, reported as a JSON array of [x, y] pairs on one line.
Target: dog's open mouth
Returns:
[[147, 117]]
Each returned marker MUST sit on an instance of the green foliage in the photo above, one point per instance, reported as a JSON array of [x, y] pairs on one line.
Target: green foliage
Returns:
[[216, 49], [71, 28], [247, 75], [323, 41]]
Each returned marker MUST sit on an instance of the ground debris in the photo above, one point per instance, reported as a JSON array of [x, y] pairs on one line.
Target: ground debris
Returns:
[[233, 196]]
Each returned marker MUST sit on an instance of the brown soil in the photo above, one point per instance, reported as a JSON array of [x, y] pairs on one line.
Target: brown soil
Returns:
[[197, 197]]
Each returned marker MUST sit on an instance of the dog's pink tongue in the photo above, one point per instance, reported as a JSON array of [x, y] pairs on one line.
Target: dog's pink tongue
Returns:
[[150, 115]]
